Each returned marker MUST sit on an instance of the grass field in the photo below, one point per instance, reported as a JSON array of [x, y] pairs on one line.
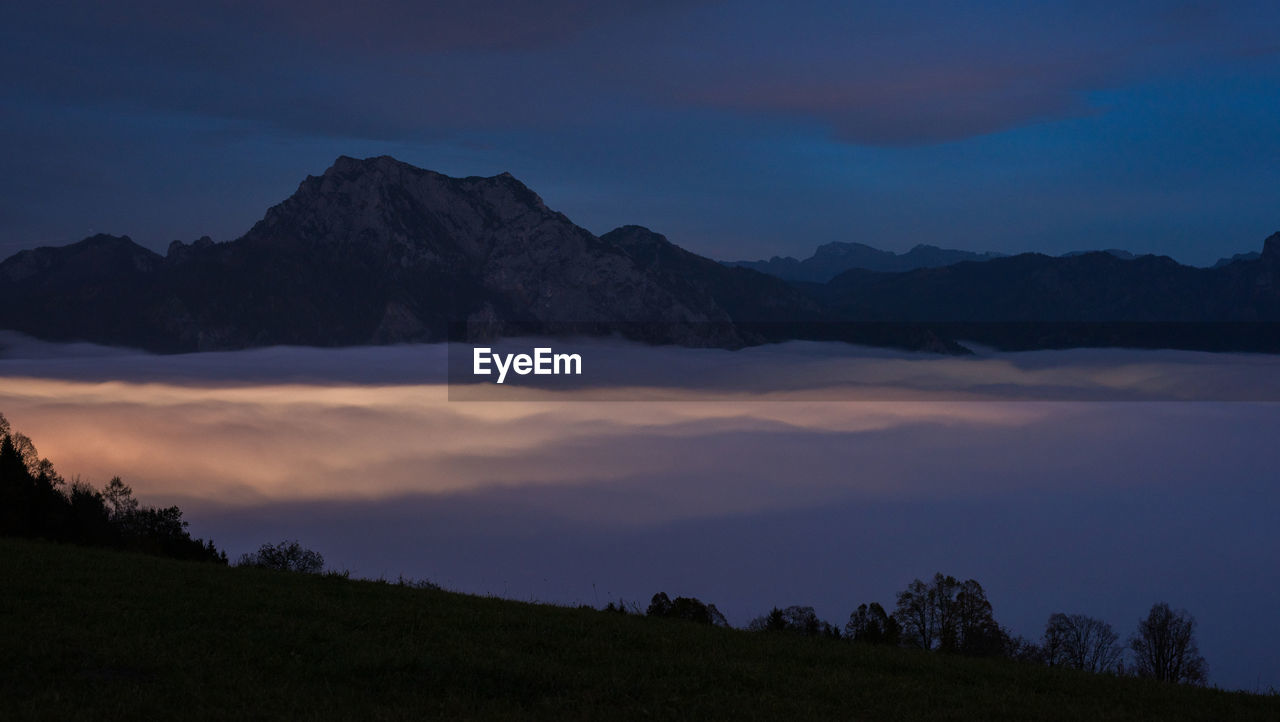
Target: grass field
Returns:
[[91, 634]]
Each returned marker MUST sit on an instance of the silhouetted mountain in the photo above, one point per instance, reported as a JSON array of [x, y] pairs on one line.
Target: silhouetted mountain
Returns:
[[1250, 256], [374, 251], [832, 259], [746, 295], [90, 290], [1091, 287], [80, 263], [1092, 299], [378, 251], [1117, 252]]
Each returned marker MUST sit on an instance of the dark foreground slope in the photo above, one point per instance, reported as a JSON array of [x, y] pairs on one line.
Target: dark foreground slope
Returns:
[[93, 634]]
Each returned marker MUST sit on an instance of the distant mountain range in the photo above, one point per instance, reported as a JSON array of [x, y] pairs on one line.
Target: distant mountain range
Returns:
[[832, 259], [1250, 256], [377, 251]]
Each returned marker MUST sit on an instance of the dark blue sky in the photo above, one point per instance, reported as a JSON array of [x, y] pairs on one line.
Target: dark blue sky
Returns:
[[739, 129]]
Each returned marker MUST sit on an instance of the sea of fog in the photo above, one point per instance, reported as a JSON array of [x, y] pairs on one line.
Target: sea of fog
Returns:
[[1085, 481]]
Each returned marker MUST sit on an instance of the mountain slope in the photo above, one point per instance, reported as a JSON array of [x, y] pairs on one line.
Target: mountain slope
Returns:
[[746, 295]]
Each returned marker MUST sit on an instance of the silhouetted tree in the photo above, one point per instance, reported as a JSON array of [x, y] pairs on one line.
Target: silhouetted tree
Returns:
[[659, 606], [871, 624], [950, 616], [1021, 649], [1164, 647], [976, 633], [773, 621], [688, 608], [161, 525], [287, 556], [795, 619], [36, 502], [30, 505], [119, 500], [44, 470], [1081, 642], [27, 450], [917, 615], [90, 520], [623, 607]]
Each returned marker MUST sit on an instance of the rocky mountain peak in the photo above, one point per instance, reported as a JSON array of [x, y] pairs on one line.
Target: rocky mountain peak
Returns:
[[95, 254], [388, 206], [842, 249], [179, 251], [633, 236], [105, 243]]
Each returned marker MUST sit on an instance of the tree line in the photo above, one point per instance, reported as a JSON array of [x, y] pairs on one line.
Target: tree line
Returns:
[[948, 616], [36, 502]]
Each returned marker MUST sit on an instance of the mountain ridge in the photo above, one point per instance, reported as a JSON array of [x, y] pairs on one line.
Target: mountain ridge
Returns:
[[831, 259], [371, 251], [377, 251]]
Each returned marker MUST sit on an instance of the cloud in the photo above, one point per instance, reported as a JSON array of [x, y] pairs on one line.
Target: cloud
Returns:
[[387, 70], [874, 73], [1101, 508], [889, 74], [777, 421]]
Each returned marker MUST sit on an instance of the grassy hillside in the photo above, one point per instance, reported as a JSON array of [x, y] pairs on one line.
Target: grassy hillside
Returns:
[[91, 634]]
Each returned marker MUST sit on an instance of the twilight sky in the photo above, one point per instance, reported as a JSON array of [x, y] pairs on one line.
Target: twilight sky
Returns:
[[739, 129]]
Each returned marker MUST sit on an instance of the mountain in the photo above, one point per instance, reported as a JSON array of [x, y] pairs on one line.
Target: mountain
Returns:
[[746, 295], [1091, 299], [375, 251], [1117, 252], [77, 292], [1091, 287], [832, 259], [1250, 256]]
